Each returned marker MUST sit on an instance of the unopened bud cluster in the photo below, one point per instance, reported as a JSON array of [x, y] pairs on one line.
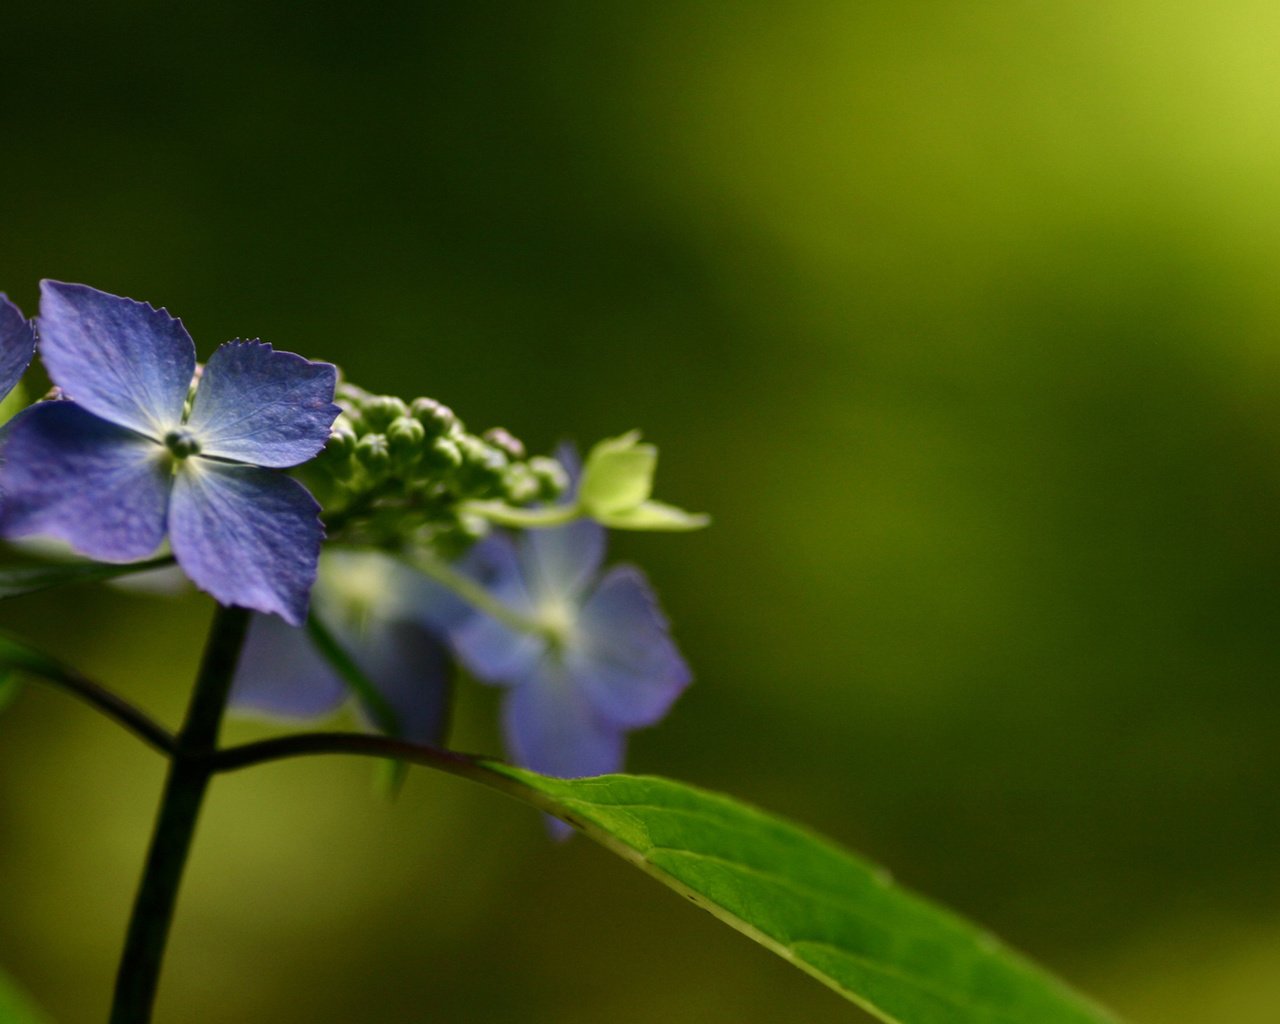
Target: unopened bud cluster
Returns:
[[393, 468]]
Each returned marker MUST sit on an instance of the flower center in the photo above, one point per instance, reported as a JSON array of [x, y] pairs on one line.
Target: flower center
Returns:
[[181, 443], [558, 622]]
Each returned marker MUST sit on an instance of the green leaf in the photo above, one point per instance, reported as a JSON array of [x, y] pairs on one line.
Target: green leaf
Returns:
[[831, 914], [16, 580], [15, 1007]]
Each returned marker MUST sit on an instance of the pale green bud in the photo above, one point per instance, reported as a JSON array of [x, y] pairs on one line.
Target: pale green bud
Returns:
[[618, 475]]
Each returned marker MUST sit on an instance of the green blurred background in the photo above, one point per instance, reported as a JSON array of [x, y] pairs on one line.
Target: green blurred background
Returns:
[[961, 319]]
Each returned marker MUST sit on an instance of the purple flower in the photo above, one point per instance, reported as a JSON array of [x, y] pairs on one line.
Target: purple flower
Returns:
[[596, 662], [17, 344], [391, 621], [127, 461]]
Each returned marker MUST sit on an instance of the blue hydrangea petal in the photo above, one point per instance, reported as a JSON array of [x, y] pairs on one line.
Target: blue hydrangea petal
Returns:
[[558, 563], [17, 344], [263, 407], [551, 728], [375, 607], [430, 604], [411, 669], [123, 360], [623, 658], [495, 653], [71, 475], [492, 651], [248, 536], [282, 675]]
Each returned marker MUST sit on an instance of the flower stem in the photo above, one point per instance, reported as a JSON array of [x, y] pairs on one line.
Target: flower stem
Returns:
[[300, 744], [523, 518], [189, 774], [473, 593], [15, 654]]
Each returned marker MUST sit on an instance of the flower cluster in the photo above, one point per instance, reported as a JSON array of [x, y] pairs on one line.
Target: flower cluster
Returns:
[[138, 445], [585, 657], [397, 472]]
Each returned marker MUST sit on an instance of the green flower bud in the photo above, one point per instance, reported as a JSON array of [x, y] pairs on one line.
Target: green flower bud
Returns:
[[442, 456], [373, 454], [336, 456], [553, 478], [437, 419], [407, 440], [348, 395], [472, 528], [379, 411], [356, 422], [342, 440], [480, 475], [519, 484], [503, 440]]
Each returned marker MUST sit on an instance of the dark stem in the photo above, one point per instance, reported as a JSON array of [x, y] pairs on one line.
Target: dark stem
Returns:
[[483, 770], [110, 704], [299, 744], [189, 772]]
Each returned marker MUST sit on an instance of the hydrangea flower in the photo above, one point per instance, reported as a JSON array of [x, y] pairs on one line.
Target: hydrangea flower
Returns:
[[390, 620], [129, 460], [597, 662], [17, 344]]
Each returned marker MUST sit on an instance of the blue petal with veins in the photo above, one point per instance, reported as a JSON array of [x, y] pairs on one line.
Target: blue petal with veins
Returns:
[[122, 360], [69, 474], [17, 344], [248, 536], [263, 407]]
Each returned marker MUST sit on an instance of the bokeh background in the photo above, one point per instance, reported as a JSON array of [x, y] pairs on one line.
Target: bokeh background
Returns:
[[963, 321]]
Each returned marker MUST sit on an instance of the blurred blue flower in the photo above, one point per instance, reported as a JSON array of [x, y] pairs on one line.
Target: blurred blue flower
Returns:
[[596, 662], [127, 460], [17, 344], [391, 621]]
